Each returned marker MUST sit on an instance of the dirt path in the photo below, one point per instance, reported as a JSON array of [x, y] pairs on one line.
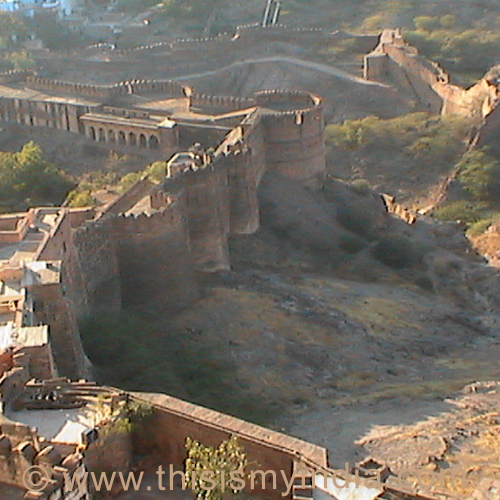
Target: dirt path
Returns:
[[322, 68]]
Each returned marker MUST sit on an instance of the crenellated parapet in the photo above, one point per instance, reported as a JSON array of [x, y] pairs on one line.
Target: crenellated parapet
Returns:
[[294, 134], [276, 28], [179, 42], [15, 75], [220, 102], [107, 91]]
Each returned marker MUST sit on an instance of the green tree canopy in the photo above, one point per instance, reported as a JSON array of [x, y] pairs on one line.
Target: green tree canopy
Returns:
[[28, 180], [479, 174], [229, 457]]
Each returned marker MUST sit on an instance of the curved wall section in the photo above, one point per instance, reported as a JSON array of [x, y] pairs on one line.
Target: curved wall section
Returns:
[[294, 134]]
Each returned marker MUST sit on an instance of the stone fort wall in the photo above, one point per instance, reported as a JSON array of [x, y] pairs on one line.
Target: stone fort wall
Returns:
[[106, 91], [395, 62], [294, 139], [154, 257]]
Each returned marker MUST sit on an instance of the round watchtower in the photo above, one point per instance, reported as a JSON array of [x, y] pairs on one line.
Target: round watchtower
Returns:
[[294, 134]]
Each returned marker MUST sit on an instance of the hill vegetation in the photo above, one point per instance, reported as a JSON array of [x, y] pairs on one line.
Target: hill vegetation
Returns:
[[28, 180]]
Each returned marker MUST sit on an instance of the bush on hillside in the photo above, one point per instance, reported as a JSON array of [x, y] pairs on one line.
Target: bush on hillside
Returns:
[[479, 174], [397, 251]]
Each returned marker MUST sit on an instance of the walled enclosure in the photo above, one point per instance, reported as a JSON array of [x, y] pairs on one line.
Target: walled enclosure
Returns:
[[156, 237]]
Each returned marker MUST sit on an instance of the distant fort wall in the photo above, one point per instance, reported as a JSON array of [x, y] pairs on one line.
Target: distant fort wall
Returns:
[[15, 75], [396, 62], [106, 91]]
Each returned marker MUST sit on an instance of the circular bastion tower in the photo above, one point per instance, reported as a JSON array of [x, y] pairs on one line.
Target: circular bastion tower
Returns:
[[294, 134]]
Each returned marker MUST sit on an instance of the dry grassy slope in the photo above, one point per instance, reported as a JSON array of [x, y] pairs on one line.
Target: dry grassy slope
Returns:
[[338, 354]]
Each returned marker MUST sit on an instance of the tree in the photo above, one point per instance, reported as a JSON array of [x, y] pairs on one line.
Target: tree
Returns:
[[479, 174], [222, 464], [27, 180]]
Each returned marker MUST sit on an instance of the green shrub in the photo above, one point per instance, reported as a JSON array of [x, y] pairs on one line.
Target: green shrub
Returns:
[[356, 220], [78, 199], [27, 180], [479, 227], [128, 181], [462, 210], [479, 174], [397, 251], [360, 186], [427, 23]]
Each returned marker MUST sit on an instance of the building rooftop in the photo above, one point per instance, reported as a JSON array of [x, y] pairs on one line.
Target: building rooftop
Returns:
[[59, 426]]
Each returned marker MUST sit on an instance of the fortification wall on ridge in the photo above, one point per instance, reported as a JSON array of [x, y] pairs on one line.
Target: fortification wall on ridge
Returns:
[[395, 62]]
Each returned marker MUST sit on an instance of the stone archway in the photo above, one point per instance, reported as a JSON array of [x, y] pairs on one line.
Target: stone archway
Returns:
[[154, 143], [132, 139], [92, 133], [122, 138], [102, 135], [143, 143], [111, 136]]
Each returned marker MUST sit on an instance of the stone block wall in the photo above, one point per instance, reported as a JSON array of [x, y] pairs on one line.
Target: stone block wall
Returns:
[[294, 140], [15, 75], [175, 420], [17, 459], [93, 269], [205, 196], [154, 258]]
